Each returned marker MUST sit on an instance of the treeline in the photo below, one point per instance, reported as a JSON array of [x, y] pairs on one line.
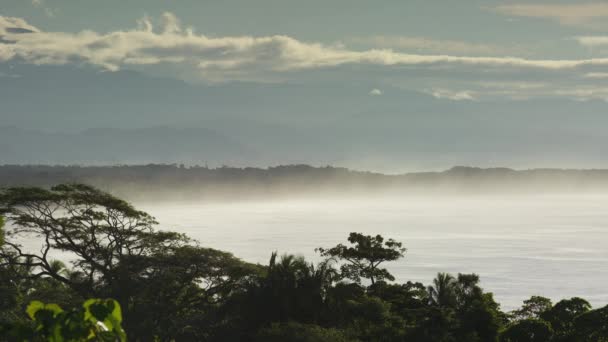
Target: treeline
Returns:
[[170, 288], [162, 180]]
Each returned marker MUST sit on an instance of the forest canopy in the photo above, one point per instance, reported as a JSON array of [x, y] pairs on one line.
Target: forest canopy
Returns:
[[170, 288]]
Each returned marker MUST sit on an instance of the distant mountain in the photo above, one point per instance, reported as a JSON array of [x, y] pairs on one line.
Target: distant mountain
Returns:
[[54, 108], [162, 181]]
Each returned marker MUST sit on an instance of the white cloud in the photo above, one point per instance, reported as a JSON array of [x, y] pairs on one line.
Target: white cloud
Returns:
[[375, 92], [596, 75], [592, 41], [11, 25], [197, 57], [587, 15], [49, 12], [170, 23], [511, 85], [229, 57], [422, 44], [453, 95]]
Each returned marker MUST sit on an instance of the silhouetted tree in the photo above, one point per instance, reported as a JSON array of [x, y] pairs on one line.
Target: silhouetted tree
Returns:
[[297, 332], [532, 308], [171, 289], [527, 330], [362, 260], [443, 291], [592, 325], [117, 253], [562, 316]]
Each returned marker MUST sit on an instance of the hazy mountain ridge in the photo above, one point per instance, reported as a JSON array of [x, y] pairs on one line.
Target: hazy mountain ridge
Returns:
[[240, 123], [173, 180]]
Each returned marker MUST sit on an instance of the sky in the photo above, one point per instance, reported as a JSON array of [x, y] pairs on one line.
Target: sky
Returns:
[[469, 50], [536, 57]]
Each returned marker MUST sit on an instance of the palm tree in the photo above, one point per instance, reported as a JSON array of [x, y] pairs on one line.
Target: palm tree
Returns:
[[282, 282], [323, 275], [443, 291], [297, 289], [287, 270]]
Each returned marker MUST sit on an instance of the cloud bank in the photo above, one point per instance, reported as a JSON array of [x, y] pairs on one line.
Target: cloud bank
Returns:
[[279, 57]]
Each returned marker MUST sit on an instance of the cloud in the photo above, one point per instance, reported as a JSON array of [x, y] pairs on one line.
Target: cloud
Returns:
[[375, 92], [592, 41], [596, 75], [49, 12], [230, 56], [167, 45], [453, 95], [427, 45], [10, 25], [585, 15]]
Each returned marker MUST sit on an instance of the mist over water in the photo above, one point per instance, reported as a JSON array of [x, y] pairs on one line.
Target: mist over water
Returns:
[[551, 245]]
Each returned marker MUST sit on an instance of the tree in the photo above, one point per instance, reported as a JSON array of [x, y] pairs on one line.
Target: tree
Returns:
[[475, 315], [562, 316], [365, 256], [592, 325], [297, 332], [527, 330], [9, 291], [161, 277], [1, 231], [443, 291], [407, 300], [291, 290], [95, 227], [532, 308]]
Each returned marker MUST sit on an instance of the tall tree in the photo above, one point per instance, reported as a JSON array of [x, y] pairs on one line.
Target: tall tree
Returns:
[[364, 256], [563, 314], [592, 325], [532, 308], [527, 330], [117, 253], [443, 291]]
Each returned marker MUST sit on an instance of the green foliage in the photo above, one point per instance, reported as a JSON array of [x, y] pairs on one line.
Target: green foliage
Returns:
[[592, 325], [532, 308], [562, 315], [364, 257], [162, 279], [296, 332], [527, 330], [443, 291], [168, 288], [96, 320]]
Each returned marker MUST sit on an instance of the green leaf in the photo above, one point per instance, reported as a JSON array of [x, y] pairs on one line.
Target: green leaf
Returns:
[[54, 308], [34, 307], [116, 311], [106, 312]]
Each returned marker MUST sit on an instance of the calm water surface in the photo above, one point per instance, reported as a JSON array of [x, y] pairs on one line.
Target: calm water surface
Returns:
[[521, 246]]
